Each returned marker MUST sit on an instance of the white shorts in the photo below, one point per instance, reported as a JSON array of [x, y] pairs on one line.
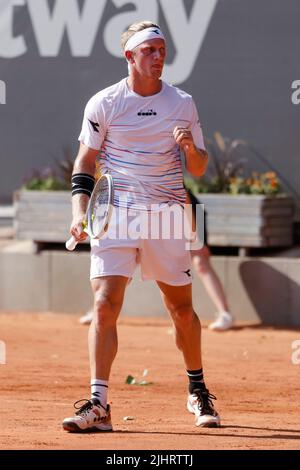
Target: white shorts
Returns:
[[161, 259]]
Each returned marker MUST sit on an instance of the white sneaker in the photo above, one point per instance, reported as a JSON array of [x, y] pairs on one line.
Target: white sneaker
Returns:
[[201, 405], [87, 318], [224, 321], [91, 416]]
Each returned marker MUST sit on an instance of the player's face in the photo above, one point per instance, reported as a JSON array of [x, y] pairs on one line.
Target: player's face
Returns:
[[149, 58]]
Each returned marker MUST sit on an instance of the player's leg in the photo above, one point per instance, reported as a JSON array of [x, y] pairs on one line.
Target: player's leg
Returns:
[[111, 267], [178, 301], [167, 260], [95, 414], [214, 288], [103, 342]]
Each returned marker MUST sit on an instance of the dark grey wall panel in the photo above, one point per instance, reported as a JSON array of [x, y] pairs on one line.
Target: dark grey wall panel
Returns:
[[237, 57]]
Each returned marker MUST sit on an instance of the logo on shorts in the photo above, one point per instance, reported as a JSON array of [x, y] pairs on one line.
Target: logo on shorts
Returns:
[[188, 273], [150, 112]]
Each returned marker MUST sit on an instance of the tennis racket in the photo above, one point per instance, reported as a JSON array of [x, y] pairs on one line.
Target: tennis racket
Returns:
[[99, 210]]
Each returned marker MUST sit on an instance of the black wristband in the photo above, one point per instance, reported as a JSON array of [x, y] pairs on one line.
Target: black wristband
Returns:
[[82, 183]]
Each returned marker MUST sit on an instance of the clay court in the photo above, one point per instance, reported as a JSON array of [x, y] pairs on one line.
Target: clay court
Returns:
[[249, 369]]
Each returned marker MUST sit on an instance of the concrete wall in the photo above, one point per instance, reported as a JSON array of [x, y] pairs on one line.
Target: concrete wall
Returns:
[[259, 289]]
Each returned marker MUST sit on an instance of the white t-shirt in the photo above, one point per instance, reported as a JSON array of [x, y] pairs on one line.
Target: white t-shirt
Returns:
[[134, 135]]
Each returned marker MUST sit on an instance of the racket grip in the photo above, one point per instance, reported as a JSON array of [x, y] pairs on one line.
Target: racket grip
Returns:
[[71, 243]]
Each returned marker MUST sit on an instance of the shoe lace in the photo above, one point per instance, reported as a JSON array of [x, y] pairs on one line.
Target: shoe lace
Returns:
[[205, 403], [85, 408]]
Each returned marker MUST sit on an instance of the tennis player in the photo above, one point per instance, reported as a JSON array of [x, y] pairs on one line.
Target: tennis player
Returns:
[[139, 126]]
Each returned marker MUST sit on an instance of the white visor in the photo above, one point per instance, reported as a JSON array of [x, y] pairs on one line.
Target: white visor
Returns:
[[142, 36]]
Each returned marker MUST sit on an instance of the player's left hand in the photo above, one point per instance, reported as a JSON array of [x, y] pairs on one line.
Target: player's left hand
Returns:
[[184, 138]]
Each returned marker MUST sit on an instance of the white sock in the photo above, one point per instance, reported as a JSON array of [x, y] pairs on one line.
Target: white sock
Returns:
[[99, 390]]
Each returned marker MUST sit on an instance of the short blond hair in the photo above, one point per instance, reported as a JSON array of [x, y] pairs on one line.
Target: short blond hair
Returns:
[[134, 28]]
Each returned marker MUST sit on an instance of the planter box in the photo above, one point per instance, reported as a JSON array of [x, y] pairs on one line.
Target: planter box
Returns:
[[248, 221], [42, 216], [241, 221]]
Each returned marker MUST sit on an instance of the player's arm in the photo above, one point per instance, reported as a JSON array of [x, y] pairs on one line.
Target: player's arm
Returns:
[[196, 159], [82, 186]]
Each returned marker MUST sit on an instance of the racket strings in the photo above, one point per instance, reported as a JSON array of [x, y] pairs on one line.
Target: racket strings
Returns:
[[99, 207]]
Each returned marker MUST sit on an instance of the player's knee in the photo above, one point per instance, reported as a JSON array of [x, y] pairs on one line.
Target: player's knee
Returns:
[[182, 315], [106, 311]]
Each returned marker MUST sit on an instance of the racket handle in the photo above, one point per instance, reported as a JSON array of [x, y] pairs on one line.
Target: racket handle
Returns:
[[71, 243]]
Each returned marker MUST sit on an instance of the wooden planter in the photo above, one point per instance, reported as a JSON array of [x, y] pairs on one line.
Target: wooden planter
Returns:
[[42, 216], [248, 221], [240, 221]]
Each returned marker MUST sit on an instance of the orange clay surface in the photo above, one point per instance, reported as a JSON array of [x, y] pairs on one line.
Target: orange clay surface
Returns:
[[249, 369]]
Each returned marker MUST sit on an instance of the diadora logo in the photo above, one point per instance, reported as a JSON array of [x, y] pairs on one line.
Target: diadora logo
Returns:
[[187, 272], [94, 125], [150, 112]]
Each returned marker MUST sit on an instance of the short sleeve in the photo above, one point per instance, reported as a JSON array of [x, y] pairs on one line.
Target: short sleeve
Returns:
[[196, 128], [93, 126]]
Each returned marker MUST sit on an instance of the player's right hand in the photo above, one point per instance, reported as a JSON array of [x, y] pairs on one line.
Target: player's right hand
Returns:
[[77, 229]]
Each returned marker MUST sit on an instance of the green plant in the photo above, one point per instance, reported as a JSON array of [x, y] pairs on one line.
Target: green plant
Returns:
[[225, 173], [44, 180], [264, 183], [49, 179], [66, 165], [225, 164]]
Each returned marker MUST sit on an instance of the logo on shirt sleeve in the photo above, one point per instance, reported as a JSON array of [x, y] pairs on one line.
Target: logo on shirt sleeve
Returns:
[[94, 125]]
